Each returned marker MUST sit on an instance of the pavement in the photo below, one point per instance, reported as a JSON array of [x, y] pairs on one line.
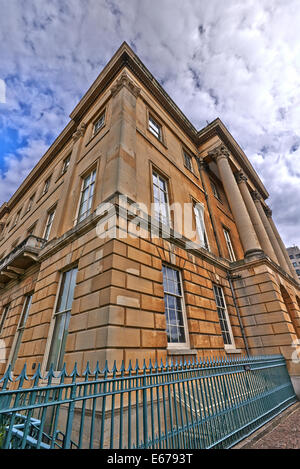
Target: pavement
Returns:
[[282, 432]]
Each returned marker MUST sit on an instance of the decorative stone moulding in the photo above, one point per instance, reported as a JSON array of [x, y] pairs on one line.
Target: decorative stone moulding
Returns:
[[256, 195], [240, 177], [219, 152], [124, 80], [268, 211], [79, 132]]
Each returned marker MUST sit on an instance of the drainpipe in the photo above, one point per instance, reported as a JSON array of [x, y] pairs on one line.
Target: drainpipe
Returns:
[[230, 278]]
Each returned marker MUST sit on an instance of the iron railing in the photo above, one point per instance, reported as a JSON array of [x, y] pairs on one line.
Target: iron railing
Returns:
[[212, 403]]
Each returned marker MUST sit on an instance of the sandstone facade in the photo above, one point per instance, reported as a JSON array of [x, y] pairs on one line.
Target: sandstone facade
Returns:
[[109, 154]]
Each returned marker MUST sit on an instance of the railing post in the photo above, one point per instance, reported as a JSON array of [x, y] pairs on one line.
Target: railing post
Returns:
[[71, 411], [145, 407]]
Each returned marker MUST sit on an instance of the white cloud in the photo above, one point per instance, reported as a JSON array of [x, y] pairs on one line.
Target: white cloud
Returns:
[[238, 60]]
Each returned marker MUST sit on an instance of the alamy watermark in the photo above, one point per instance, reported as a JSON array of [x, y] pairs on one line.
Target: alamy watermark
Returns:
[[2, 91], [125, 219]]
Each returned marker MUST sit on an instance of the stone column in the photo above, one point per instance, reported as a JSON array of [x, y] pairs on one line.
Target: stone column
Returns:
[[255, 218], [280, 257], [281, 244], [243, 222]]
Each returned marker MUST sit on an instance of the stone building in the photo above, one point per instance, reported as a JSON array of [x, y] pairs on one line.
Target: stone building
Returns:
[[294, 255], [137, 236]]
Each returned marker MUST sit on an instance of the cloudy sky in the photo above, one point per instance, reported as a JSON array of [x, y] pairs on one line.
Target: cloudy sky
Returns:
[[234, 59]]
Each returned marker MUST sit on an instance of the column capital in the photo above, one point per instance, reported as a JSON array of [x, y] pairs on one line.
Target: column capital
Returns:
[[124, 80], [219, 152], [256, 196], [268, 211], [79, 132], [240, 177]]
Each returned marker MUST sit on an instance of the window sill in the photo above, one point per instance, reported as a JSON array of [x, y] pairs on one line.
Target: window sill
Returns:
[[181, 351], [158, 139], [232, 350], [191, 171], [100, 133]]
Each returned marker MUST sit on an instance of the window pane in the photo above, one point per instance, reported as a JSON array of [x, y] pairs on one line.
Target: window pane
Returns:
[[188, 161], [3, 317], [86, 196], [160, 199], [173, 305], [63, 313], [222, 314], [200, 225], [155, 128], [229, 246]]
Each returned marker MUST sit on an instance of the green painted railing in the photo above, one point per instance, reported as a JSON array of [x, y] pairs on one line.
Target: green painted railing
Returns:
[[213, 403]]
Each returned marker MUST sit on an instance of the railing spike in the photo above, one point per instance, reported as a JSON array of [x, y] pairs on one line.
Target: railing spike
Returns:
[[87, 372], [144, 368], [6, 377], [129, 369], [105, 369], [37, 375], [114, 368], [122, 369], [63, 373], [74, 374], [22, 376], [50, 374], [136, 368]]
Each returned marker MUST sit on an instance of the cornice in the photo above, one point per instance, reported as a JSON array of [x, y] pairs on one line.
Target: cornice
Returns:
[[4, 209]]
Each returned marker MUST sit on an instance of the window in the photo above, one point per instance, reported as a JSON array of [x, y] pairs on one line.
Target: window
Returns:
[[62, 318], [229, 245], [155, 128], [295, 264], [46, 185], [200, 225], [3, 317], [17, 218], [161, 199], [291, 256], [174, 307], [29, 206], [188, 161], [86, 198], [215, 190], [66, 164], [20, 330], [99, 123], [298, 271], [297, 256], [223, 316], [49, 224]]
